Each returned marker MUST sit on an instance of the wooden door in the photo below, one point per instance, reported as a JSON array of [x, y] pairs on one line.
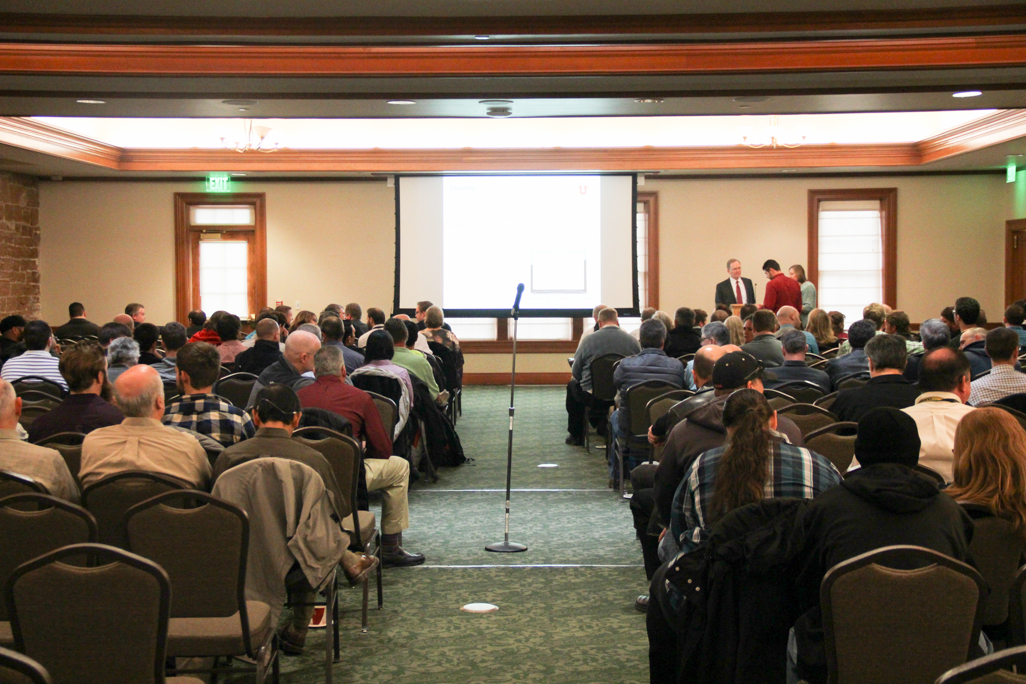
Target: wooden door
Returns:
[[1015, 260]]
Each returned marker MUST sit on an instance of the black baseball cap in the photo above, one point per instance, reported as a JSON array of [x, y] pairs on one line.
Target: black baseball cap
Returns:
[[737, 369]]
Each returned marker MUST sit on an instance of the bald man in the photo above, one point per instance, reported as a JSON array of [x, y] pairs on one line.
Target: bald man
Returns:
[[294, 368], [789, 319], [264, 350], [125, 320], [141, 441]]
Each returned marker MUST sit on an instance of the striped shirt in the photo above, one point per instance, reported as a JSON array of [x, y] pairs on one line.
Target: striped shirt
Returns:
[[33, 362], [212, 416], [1002, 381], [793, 472]]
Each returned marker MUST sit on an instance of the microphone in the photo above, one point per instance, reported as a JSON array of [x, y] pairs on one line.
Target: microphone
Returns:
[[516, 304]]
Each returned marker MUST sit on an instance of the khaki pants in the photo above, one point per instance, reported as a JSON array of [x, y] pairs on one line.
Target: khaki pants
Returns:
[[391, 476]]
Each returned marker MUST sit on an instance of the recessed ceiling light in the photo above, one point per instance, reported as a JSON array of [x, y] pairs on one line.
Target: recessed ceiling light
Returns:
[[744, 106], [236, 174], [243, 109], [495, 102], [482, 37], [239, 103], [967, 93], [402, 102], [91, 101], [499, 111], [649, 100]]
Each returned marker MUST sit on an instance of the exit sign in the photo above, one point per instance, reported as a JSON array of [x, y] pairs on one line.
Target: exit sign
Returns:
[[219, 182]]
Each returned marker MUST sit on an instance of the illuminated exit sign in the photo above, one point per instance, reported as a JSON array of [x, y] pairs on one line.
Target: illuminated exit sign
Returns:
[[219, 182]]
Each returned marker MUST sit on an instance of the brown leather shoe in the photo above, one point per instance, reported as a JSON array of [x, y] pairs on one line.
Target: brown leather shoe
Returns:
[[358, 572]]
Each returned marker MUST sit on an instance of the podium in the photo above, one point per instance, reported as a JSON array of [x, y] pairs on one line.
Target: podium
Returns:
[[736, 309]]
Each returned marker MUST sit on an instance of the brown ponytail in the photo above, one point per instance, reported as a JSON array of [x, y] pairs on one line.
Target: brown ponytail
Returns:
[[742, 472]]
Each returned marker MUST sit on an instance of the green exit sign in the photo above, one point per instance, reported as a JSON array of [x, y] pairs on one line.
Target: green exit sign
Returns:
[[219, 182], [1010, 172]]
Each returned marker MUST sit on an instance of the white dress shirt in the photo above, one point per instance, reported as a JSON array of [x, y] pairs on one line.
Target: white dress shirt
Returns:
[[734, 285], [937, 415]]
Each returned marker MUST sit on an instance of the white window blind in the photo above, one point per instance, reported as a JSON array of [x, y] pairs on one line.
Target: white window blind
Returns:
[[224, 278], [473, 328], [850, 257], [542, 329], [222, 215]]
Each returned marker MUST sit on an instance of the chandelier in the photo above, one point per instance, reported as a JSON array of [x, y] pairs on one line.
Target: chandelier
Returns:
[[254, 140], [774, 137]]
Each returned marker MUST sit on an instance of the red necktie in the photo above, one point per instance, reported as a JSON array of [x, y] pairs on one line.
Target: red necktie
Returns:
[[737, 288]]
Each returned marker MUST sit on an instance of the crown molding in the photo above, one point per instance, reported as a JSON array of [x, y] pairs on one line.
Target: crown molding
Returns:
[[39, 137], [992, 130]]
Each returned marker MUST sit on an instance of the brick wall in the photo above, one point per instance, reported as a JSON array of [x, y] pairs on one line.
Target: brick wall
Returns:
[[19, 245]]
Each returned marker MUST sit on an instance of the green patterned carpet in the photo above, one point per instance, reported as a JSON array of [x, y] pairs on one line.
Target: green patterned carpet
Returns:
[[556, 622]]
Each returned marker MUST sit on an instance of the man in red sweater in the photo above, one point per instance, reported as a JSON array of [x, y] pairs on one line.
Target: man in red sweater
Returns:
[[781, 290], [387, 473]]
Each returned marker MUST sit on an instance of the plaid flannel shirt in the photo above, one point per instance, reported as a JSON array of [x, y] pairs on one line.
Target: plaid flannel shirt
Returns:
[[1002, 381], [793, 472], [210, 415]]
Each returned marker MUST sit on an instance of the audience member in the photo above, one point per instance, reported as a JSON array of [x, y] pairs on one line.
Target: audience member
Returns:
[[335, 309], [749, 330], [736, 327], [11, 330], [37, 360], [45, 466], [379, 354], [788, 318], [198, 408], [375, 321], [421, 316], [897, 323], [797, 273], [755, 463], [820, 327], [683, 338], [595, 327], [277, 415], [700, 369], [981, 320], [646, 314], [794, 346], [947, 315], [886, 387], [286, 311], [944, 383], [196, 320], [966, 313], [609, 339], [764, 345], [122, 354], [837, 325], [883, 503], [302, 318], [720, 315], [141, 442], [712, 334], [1014, 317], [780, 290], [1002, 346], [875, 314], [228, 328], [860, 333], [354, 314], [933, 334], [84, 367], [412, 361], [77, 326], [146, 336], [663, 318], [209, 332], [333, 333], [435, 330], [385, 473], [291, 368], [174, 336], [112, 331], [701, 318], [125, 320], [747, 310], [137, 312], [973, 342]]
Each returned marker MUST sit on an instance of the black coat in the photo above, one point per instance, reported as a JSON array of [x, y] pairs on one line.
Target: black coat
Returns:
[[725, 295], [883, 390], [684, 339]]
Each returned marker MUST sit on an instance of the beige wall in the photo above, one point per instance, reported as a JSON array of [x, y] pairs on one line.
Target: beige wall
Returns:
[[106, 244]]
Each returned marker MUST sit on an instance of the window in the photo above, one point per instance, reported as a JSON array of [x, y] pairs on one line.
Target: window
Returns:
[[474, 328], [220, 254], [852, 249]]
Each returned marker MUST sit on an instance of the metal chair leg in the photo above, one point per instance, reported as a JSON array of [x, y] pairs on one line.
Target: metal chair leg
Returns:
[[334, 617], [329, 593]]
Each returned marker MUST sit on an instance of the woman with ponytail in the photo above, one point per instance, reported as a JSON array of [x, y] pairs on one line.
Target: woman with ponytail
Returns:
[[755, 463]]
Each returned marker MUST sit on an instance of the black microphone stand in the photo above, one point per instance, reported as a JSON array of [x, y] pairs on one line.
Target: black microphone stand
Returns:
[[506, 546]]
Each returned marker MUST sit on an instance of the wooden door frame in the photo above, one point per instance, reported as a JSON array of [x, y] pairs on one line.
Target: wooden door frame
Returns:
[[1012, 226], [184, 267]]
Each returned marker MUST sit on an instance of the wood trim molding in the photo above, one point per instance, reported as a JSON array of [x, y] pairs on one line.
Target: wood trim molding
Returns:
[[1011, 227], [888, 198], [991, 130], [523, 346], [522, 378], [651, 199], [510, 60]]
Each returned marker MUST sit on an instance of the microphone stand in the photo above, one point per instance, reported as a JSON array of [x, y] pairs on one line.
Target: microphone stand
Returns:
[[506, 546]]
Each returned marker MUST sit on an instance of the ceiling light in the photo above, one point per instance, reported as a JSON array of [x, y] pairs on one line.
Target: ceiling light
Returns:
[[649, 100], [495, 102], [967, 93], [249, 143], [90, 101], [243, 109], [482, 37], [499, 111], [402, 102], [239, 103], [236, 174], [774, 136]]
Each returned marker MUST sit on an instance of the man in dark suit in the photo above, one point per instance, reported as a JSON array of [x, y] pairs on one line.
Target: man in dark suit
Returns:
[[735, 289], [886, 386], [794, 369], [859, 334]]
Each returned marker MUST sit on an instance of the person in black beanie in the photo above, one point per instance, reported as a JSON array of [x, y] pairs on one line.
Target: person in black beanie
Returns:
[[883, 503]]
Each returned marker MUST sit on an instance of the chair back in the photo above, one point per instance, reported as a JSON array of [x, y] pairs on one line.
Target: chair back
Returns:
[[867, 602], [34, 397], [1018, 415], [826, 401], [830, 353], [659, 406], [345, 456], [808, 417], [450, 369], [69, 446], [16, 668], [62, 438], [818, 365], [34, 524], [16, 483], [803, 391], [388, 411], [110, 498], [638, 397], [1014, 401], [997, 549], [778, 400], [235, 387], [838, 448], [602, 387], [811, 358], [202, 544], [686, 358], [39, 384], [852, 381], [992, 669], [92, 625]]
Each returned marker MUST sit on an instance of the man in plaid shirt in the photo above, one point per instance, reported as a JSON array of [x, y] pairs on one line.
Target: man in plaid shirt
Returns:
[[198, 409], [1002, 347]]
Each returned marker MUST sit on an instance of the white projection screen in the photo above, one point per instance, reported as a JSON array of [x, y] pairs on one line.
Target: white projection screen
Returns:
[[465, 242]]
